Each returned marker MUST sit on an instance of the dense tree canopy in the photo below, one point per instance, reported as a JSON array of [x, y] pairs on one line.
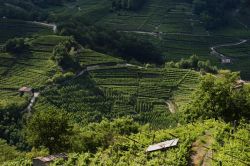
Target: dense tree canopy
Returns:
[[194, 63], [65, 54], [220, 97], [16, 45], [103, 134], [111, 42], [10, 119], [50, 129]]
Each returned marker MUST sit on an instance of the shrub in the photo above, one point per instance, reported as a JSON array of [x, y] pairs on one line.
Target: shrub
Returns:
[[193, 63], [16, 45], [65, 55], [59, 78]]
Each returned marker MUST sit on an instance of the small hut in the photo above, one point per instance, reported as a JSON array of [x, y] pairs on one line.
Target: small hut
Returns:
[[27, 90], [45, 161], [225, 61]]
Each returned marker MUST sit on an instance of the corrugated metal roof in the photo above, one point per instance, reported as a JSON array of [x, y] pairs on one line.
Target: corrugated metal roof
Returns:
[[162, 145], [25, 89], [52, 157]]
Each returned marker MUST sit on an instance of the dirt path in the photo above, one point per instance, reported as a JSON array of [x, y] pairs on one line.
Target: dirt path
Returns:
[[213, 48], [171, 106], [201, 152], [32, 102], [156, 34], [49, 25], [222, 56]]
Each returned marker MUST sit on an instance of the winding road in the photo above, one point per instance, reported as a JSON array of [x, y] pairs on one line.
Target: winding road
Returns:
[[213, 48], [49, 25], [156, 34], [222, 56], [171, 106]]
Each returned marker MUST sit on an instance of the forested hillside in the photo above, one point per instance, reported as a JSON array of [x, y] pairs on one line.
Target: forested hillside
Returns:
[[103, 82]]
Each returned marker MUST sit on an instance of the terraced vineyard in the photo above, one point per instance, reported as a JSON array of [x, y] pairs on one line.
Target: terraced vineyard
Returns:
[[163, 15], [114, 92], [90, 57], [111, 89], [178, 32], [31, 69], [14, 28]]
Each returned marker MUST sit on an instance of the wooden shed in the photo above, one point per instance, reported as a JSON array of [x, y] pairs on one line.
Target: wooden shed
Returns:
[[226, 61], [45, 161], [24, 89]]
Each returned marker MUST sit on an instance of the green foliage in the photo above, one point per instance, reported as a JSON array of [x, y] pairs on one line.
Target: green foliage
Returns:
[[194, 63], [8, 152], [61, 77], [103, 134], [130, 150], [50, 129], [16, 45], [110, 42], [232, 148], [219, 97], [10, 122], [66, 55]]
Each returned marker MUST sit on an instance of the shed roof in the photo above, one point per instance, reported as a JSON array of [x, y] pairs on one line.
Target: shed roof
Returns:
[[162, 145], [241, 82], [52, 157], [25, 89]]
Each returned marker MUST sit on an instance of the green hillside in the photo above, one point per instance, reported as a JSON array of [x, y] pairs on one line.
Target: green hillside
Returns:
[[102, 80]]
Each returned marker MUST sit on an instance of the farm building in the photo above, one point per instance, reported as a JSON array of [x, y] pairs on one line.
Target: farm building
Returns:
[[226, 61], [24, 89], [45, 161]]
